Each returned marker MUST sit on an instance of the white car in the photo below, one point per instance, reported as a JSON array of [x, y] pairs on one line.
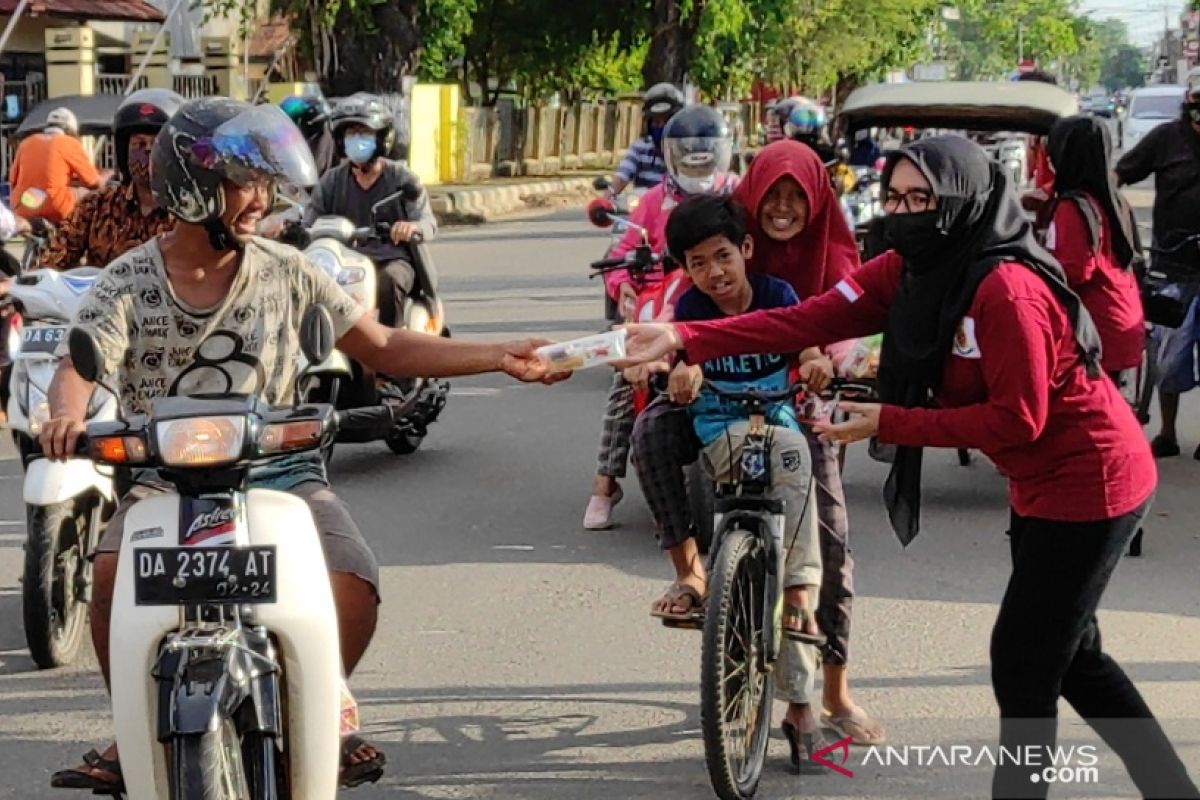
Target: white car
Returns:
[[1149, 107]]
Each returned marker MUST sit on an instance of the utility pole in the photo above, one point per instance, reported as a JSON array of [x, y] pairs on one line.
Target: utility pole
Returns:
[[1020, 42]]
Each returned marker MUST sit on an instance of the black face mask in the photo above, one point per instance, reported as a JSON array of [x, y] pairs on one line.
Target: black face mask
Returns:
[[915, 236], [1193, 110]]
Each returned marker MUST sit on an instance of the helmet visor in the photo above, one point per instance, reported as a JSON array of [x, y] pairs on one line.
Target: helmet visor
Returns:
[[259, 144]]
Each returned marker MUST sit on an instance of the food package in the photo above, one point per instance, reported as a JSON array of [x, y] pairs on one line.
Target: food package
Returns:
[[588, 351]]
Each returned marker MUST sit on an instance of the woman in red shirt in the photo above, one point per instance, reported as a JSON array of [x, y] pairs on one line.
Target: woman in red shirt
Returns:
[[978, 317], [1090, 232]]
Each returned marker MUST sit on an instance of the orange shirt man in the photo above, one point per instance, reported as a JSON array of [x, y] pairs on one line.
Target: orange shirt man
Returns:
[[51, 162]]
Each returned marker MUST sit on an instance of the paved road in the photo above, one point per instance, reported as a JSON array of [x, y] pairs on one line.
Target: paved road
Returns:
[[515, 658]]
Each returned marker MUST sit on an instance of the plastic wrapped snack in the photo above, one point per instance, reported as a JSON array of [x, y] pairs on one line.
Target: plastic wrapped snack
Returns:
[[583, 353], [862, 360]]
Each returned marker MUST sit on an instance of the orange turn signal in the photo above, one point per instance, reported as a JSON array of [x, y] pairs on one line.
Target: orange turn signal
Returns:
[[283, 437], [119, 450]]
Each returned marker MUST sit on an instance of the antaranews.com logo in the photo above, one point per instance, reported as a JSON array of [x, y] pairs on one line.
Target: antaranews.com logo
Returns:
[[1072, 764]]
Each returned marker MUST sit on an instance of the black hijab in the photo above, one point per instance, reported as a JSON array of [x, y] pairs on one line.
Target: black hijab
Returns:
[[1079, 149], [979, 225]]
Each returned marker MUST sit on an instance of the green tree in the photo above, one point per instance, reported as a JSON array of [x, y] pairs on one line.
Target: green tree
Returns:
[[991, 36]]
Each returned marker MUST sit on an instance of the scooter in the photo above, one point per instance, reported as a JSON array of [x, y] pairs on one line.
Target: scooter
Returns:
[[226, 675], [347, 385], [66, 502]]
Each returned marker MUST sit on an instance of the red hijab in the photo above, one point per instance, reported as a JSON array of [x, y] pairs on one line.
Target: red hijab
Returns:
[[815, 259]]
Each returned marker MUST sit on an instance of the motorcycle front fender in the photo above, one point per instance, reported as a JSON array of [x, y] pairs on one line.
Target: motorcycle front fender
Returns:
[[48, 482]]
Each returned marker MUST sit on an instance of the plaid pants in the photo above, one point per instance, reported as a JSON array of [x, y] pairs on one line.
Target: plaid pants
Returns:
[[664, 444], [616, 429]]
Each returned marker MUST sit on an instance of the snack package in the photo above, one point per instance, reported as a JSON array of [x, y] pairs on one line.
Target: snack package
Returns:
[[583, 353], [861, 360], [348, 720]]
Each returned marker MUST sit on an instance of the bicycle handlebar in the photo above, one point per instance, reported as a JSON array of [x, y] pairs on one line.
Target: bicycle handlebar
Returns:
[[836, 386]]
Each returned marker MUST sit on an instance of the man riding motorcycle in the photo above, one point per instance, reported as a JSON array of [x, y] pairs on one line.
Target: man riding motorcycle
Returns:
[[365, 130], [210, 308], [118, 218], [806, 124], [643, 165]]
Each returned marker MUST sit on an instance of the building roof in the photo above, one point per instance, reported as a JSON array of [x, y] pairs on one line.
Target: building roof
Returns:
[[122, 10]]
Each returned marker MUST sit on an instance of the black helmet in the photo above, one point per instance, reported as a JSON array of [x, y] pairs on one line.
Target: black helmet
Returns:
[[144, 111], [309, 112], [369, 111], [216, 139], [697, 145], [660, 99]]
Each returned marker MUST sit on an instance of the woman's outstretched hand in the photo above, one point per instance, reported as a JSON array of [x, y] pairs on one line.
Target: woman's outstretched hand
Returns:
[[648, 342]]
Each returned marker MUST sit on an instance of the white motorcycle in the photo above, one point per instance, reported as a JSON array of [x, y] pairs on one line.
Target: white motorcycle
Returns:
[[415, 403], [66, 502], [226, 675]]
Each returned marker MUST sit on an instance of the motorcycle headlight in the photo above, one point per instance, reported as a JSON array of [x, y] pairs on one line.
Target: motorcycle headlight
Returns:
[[325, 259], [200, 441]]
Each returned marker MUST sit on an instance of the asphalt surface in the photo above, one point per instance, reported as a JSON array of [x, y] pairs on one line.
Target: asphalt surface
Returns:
[[515, 657]]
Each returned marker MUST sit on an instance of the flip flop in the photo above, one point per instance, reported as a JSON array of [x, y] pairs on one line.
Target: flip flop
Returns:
[[76, 778], [693, 617], [856, 727], [799, 634], [364, 771]]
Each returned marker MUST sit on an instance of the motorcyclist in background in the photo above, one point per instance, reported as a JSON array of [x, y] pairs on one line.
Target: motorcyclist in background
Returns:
[[119, 217], [364, 128], [312, 113], [806, 124], [643, 165]]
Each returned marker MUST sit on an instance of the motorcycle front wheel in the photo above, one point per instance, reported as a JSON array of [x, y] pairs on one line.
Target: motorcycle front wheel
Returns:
[[53, 588], [208, 766]]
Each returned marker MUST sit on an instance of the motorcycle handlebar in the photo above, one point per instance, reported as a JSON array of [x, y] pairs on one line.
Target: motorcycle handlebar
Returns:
[[859, 389]]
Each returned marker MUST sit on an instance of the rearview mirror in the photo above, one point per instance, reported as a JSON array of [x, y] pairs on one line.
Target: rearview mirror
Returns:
[[316, 334], [601, 184], [599, 212], [85, 354]]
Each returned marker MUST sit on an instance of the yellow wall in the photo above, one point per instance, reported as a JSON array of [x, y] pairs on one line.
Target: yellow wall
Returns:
[[433, 121], [30, 34]]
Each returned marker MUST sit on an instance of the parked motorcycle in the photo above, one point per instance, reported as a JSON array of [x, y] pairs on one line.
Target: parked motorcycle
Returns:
[[226, 675], [347, 385], [66, 502]]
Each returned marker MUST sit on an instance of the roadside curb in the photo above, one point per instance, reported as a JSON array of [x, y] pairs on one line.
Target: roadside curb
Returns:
[[483, 204]]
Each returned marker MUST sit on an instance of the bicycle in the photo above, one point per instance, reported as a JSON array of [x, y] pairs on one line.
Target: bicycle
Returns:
[[741, 634]]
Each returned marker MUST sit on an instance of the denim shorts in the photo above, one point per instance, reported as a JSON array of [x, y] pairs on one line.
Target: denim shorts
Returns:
[[1177, 354]]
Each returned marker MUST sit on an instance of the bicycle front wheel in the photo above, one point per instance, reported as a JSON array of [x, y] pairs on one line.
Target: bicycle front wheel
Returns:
[[735, 689]]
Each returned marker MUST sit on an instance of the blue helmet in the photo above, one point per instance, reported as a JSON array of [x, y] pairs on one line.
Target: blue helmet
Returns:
[[805, 119]]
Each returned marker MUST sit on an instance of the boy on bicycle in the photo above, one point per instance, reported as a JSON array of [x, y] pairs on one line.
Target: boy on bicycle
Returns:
[[707, 235]]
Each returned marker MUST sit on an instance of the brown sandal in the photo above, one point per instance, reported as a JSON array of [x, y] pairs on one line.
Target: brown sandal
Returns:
[[678, 593], [83, 777]]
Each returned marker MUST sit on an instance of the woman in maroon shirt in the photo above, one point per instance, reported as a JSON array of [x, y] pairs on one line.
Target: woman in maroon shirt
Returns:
[[978, 317], [1090, 231]]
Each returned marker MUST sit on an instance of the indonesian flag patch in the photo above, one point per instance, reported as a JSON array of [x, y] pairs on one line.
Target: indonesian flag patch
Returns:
[[849, 289]]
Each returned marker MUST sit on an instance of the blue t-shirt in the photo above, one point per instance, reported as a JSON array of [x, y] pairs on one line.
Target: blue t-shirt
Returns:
[[711, 415]]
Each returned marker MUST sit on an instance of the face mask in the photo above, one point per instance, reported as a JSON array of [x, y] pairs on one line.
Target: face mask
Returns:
[[693, 185], [139, 166], [656, 133], [914, 236], [360, 149]]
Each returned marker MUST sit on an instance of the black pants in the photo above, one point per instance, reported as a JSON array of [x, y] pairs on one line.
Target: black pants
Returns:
[[396, 279], [1046, 645]]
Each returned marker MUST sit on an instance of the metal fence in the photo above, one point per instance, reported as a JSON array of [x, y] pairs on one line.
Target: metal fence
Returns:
[[194, 86], [116, 83]]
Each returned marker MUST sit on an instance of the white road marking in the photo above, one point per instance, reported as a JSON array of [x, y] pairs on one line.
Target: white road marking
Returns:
[[512, 547], [12, 537], [474, 391]]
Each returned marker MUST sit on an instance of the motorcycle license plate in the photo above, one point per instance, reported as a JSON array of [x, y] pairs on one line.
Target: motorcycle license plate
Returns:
[[42, 339], [169, 576]]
